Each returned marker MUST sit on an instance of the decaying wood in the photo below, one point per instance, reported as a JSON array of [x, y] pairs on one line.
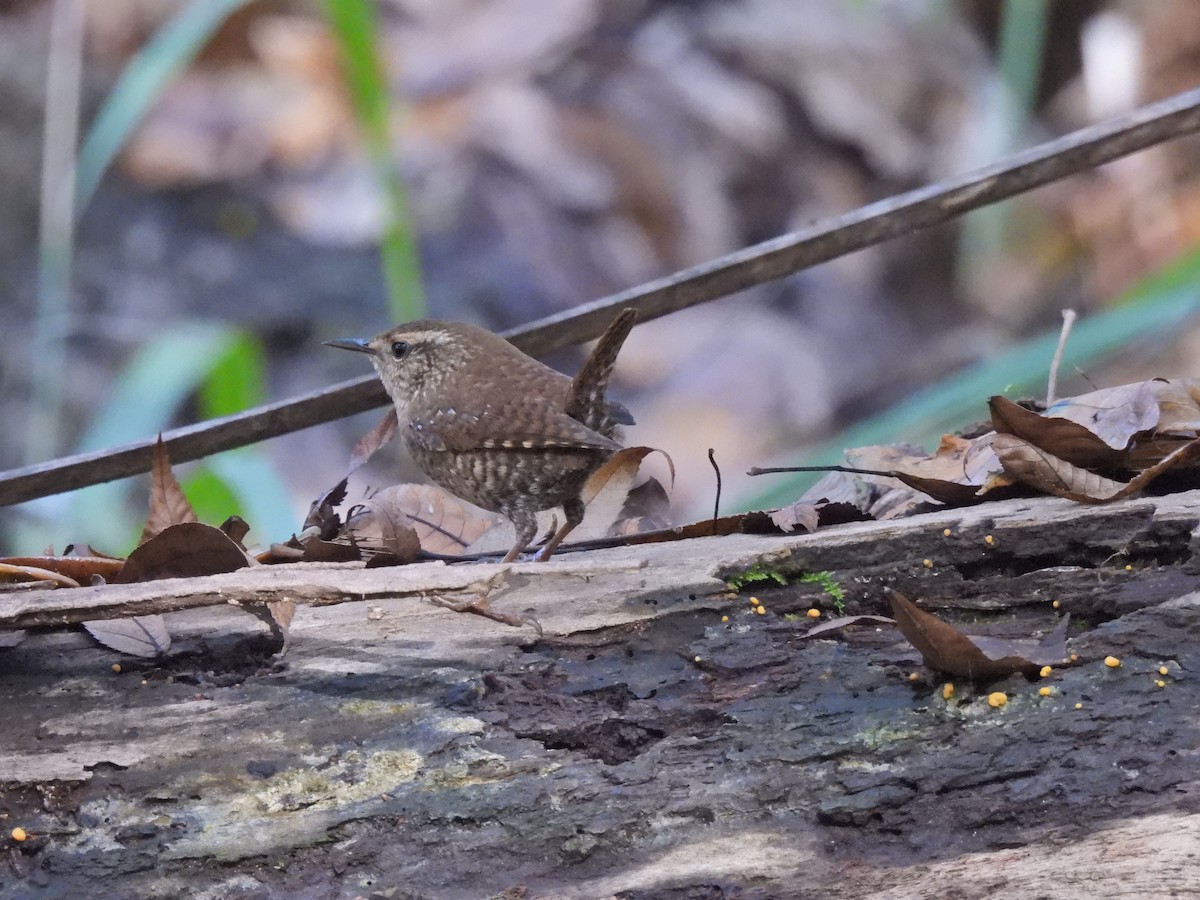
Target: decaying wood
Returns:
[[643, 747], [1080, 151]]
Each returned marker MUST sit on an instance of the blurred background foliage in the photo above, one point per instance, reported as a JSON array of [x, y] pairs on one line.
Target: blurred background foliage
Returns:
[[243, 167]]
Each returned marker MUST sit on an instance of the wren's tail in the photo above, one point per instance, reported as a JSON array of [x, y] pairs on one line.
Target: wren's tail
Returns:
[[586, 402]]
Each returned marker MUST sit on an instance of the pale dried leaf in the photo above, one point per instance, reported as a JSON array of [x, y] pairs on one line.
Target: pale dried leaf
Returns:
[[1114, 414], [846, 621], [796, 515], [145, 636], [168, 505], [443, 523], [1178, 409]]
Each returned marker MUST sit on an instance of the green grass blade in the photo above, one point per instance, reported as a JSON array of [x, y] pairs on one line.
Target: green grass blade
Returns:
[[142, 82], [355, 24]]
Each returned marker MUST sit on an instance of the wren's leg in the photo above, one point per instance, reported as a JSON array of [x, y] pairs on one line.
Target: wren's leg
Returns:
[[573, 512], [526, 525]]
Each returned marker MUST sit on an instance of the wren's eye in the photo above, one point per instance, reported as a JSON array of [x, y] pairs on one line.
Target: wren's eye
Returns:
[[400, 349]]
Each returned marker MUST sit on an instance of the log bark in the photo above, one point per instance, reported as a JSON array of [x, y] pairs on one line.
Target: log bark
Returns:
[[642, 746]]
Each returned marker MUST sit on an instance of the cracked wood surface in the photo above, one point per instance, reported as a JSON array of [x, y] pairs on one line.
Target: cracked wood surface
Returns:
[[642, 747]]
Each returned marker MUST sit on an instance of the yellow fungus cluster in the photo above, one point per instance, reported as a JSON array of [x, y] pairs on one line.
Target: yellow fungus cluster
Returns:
[[1112, 662], [814, 613], [947, 691], [990, 541], [1045, 691], [927, 563], [1045, 671], [997, 699], [18, 834]]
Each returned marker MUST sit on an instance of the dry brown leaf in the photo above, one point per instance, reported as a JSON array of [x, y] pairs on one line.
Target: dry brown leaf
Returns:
[[945, 648], [182, 551], [1064, 438], [1044, 471], [168, 505]]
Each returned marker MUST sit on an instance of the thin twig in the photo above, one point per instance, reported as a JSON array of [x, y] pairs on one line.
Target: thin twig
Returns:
[[1069, 318], [1079, 151], [717, 501]]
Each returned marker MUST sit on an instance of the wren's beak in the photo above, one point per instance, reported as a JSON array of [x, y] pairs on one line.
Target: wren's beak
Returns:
[[359, 344]]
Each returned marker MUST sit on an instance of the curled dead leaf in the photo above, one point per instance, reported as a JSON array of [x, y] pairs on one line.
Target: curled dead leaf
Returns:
[[945, 648]]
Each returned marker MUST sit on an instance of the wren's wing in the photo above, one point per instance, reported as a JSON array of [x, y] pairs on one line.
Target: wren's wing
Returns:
[[522, 423]]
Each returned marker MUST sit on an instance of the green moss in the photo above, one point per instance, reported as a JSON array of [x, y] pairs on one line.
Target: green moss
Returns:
[[756, 574], [829, 586]]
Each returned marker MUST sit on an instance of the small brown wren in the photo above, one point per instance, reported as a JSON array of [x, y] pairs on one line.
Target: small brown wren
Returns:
[[496, 427]]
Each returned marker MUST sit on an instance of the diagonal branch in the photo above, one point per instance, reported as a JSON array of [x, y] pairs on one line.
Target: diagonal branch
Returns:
[[869, 225]]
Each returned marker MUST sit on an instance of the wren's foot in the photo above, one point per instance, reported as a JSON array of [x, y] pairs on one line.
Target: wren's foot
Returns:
[[478, 605]]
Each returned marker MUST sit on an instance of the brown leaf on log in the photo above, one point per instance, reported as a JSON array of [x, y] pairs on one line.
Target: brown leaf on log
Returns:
[[945, 648], [182, 551]]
